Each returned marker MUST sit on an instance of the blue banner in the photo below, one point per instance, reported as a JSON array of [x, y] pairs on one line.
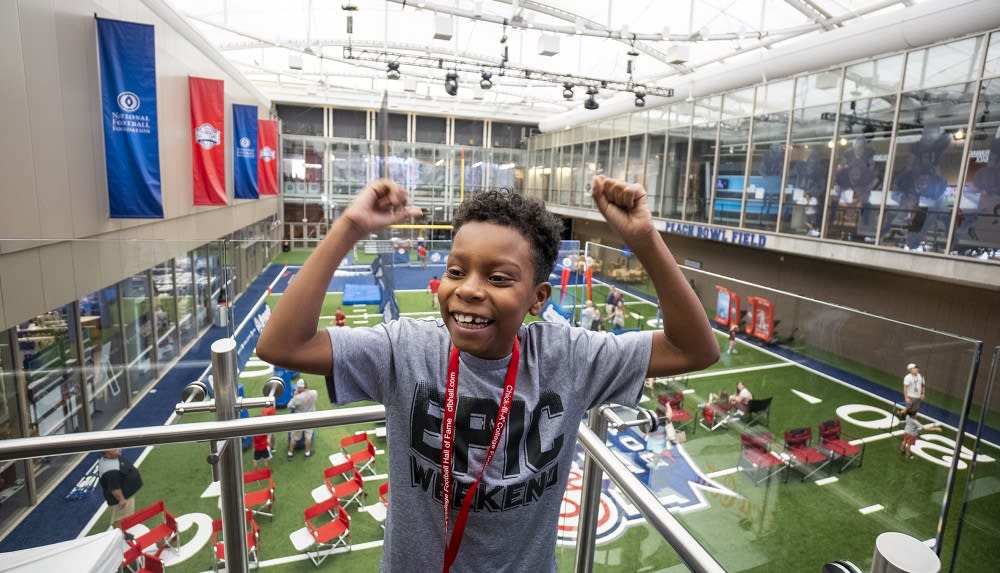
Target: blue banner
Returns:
[[128, 99], [245, 151]]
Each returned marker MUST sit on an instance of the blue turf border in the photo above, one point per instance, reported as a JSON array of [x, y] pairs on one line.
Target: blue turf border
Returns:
[[57, 519]]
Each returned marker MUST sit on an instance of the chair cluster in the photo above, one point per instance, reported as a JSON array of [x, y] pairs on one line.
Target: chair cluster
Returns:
[[327, 522], [143, 554], [759, 461]]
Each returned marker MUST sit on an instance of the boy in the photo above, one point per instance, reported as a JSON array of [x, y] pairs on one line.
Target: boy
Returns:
[[448, 384], [432, 287], [339, 318], [262, 442], [912, 429]]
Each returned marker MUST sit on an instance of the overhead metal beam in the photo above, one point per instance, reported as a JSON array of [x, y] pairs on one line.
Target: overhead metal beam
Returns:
[[813, 12]]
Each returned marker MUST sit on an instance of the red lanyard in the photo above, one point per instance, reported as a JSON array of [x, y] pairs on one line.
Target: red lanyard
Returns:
[[447, 445]]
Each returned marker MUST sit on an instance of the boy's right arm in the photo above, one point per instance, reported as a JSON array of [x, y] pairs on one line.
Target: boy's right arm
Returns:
[[291, 339]]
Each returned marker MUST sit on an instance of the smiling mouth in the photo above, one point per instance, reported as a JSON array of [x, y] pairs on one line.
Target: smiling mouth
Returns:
[[470, 320]]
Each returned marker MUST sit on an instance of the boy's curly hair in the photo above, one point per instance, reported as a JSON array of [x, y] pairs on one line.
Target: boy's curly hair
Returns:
[[526, 215]]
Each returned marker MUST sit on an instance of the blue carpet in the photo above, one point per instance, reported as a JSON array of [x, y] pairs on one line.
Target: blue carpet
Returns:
[[57, 519]]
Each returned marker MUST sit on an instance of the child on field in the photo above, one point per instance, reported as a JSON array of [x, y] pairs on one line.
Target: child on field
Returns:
[[450, 383], [912, 430], [262, 442]]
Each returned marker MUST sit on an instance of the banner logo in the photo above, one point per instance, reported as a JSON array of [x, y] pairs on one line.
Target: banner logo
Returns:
[[667, 470], [207, 136], [127, 56], [244, 142], [266, 154], [128, 102]]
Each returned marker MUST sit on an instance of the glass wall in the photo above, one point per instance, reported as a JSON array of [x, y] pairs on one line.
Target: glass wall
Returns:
[[700, 185], [730, 183], [977, 233], [895, 152], [13, 474], [138, 330], [767, 160], [187, 314], [100, 320]]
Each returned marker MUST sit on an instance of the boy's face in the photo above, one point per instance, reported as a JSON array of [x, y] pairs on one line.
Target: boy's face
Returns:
[[488, 288]]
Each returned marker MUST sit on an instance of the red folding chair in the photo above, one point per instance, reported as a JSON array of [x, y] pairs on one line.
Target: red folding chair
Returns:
[[327, 534], [832, 442], [219, 547], [360, 450], [806, 459], [757, 461], [345, 483], [160, 535], [151, 564], [678, 416], [258, 495]]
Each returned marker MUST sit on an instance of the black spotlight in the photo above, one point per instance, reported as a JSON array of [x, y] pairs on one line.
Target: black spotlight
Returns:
[[590, 102], [393, 72], [451, 83], [485, 83], [568, 90]]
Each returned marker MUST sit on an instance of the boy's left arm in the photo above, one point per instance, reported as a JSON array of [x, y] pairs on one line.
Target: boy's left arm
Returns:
[[686, 342]]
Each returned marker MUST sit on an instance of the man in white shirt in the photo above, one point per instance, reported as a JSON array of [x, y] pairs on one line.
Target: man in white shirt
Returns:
[[913, 388], [304, 400]]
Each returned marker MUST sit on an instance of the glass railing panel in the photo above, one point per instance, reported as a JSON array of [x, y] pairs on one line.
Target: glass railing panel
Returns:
[[820, 366], [817, 362]]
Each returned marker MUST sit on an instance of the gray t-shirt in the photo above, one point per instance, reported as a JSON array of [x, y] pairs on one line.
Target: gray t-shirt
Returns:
[[304, 401], [563, 372]]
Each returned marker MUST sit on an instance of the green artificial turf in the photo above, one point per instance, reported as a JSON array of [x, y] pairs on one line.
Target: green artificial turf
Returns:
[[777, 526]]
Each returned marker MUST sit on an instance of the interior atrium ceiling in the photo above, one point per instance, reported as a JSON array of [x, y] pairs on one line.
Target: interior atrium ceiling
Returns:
[[540, 57]]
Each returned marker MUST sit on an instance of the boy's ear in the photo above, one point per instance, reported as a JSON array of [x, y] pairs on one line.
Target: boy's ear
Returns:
[[542, 293]]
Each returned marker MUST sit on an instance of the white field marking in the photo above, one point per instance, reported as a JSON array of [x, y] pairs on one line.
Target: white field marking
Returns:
[[738, 370], [826, 480], [873, 438], [259, 372], [303, 556], [688, 390], [725, 472], [806, 397], [214, 489], [871, 509], [202, 525]]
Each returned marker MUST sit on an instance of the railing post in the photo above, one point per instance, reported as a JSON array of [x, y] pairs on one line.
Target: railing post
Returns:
[[224, 373], [590, 499]]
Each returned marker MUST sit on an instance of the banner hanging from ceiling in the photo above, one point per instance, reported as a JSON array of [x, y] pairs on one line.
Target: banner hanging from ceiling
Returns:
[[127, 58], [267, 156], [245, 151], [208, 153]]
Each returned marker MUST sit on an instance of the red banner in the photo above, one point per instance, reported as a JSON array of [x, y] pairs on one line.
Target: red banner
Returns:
[[208, 152], [267, 156]]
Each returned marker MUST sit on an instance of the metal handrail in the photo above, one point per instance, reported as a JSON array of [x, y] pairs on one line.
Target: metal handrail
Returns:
[[691, 552], [41, 446], [694, 555]]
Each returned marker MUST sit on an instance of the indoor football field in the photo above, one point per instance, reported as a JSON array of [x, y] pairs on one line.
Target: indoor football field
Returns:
[[795, 520]]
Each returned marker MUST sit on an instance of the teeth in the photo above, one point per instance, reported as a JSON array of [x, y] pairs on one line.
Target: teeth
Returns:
[[469, 318]]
